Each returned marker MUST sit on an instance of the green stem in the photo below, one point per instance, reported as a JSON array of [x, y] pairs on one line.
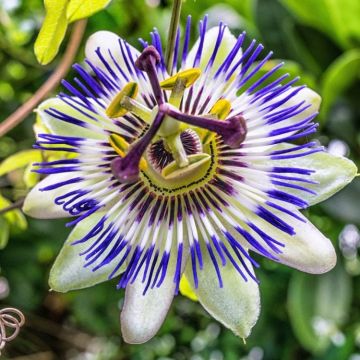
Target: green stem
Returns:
[[174, 24], [16, 205]]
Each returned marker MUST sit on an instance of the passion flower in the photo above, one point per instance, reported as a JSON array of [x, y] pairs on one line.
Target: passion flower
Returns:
[[183, 175]]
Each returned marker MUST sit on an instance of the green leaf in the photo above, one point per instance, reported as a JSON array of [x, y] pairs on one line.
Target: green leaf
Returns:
[[247, 8], [4, 232], [339, 76], [80, 9], [337, 19], [318, 307], [19, 160], [52, 31]]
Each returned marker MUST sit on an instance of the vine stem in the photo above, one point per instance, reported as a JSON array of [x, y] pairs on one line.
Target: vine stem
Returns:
[[16, 205], [20, 114], [174, 24]]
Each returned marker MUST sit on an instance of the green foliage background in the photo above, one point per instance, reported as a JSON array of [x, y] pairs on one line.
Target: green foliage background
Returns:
[[303, 317]]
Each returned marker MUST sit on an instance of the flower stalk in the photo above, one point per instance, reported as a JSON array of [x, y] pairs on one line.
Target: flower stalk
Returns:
[[174, 25]]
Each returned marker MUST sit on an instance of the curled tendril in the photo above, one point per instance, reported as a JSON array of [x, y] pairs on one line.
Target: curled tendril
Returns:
[[12, 319]]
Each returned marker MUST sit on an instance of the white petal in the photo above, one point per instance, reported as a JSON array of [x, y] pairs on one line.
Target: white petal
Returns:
[[68, 272], [332, 172], [236, 305], [308, 250], [40, 204], [310, 97], [306, 97], [143, 315], [106, 40], [227, 44], [92, 129]]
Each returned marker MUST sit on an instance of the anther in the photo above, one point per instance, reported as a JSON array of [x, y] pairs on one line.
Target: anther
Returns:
[[220, 111], [196, 161], [178, 83], [116, 107], [186, 77], [120, 145]]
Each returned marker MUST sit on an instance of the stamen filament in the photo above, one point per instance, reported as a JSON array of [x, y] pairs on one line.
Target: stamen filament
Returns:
[[137, 108], [177, 93]]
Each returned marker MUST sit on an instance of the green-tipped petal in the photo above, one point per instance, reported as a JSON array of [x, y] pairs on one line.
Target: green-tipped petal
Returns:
[[228, 42], [92, 129], [308, 250], [236, 305], [40, 204], [331, 172], [68, 272]]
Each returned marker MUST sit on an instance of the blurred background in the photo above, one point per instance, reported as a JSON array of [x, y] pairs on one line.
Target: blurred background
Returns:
[[303, 316]]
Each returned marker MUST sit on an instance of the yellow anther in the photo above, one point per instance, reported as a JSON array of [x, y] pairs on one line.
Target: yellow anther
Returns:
[[116, 107], [121, 146], [143, 164], [186, 77], [118, 144], [221, 109]]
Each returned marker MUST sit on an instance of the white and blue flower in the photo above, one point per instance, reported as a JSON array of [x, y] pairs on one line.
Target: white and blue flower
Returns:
[[183, 175]]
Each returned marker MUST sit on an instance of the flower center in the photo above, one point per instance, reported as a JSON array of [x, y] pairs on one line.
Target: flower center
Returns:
[[176, 145], [160, 155]]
